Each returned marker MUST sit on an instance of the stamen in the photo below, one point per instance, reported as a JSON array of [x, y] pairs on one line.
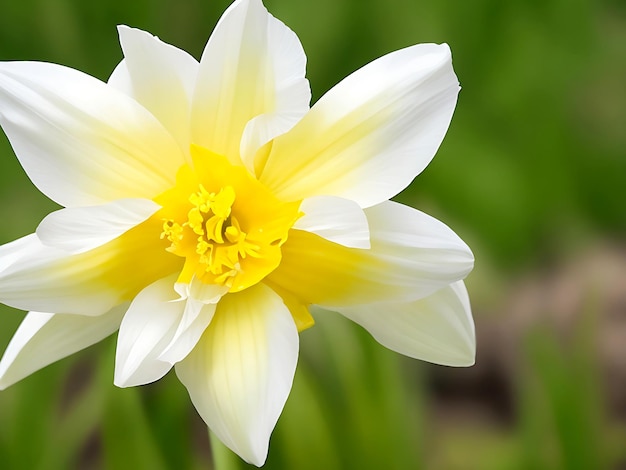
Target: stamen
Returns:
[[219, 240], [224, 222]]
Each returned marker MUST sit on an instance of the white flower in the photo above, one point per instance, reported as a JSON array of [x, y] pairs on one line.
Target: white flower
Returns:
[[207, 207]]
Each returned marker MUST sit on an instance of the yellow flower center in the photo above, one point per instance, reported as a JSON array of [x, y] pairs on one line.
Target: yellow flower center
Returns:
[[227, 225]]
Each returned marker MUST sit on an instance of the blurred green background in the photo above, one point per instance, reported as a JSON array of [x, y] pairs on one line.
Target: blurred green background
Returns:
[[531, 175]]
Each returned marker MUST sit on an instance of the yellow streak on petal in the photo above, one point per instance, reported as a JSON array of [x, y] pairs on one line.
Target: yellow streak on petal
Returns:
[[134, 260], [299, 311], [317, 271]]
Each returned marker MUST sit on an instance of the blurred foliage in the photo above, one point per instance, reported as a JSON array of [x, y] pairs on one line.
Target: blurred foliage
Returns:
[[560, 404], [531, 171]]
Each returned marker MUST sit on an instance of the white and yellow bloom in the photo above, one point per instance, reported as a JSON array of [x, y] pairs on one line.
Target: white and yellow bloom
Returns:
[[206, 208]]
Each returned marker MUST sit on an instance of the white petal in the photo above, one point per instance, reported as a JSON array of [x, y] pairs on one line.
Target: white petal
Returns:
[[399, 226], [199, 310], [419, 244], [79, 229], [13, 251], [194, 320], [370, 135], [80, 141], [160, 77], [438, 328], [240, 373], [157, 323], [39, 277], [147, 328], [336, 219], [34, 276], [121, 80], [253, 65], [44, 338], [412, 255]]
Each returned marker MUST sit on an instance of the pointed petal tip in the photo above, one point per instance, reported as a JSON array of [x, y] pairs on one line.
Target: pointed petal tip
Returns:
[[240, 373], [118, 382], [122, 375], [396, 108], [258, 460], [465, 356], [125, 376], [123, 30], [438, 329]]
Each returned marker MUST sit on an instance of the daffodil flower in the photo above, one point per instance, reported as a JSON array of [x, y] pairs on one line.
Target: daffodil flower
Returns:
[[206, 208]]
